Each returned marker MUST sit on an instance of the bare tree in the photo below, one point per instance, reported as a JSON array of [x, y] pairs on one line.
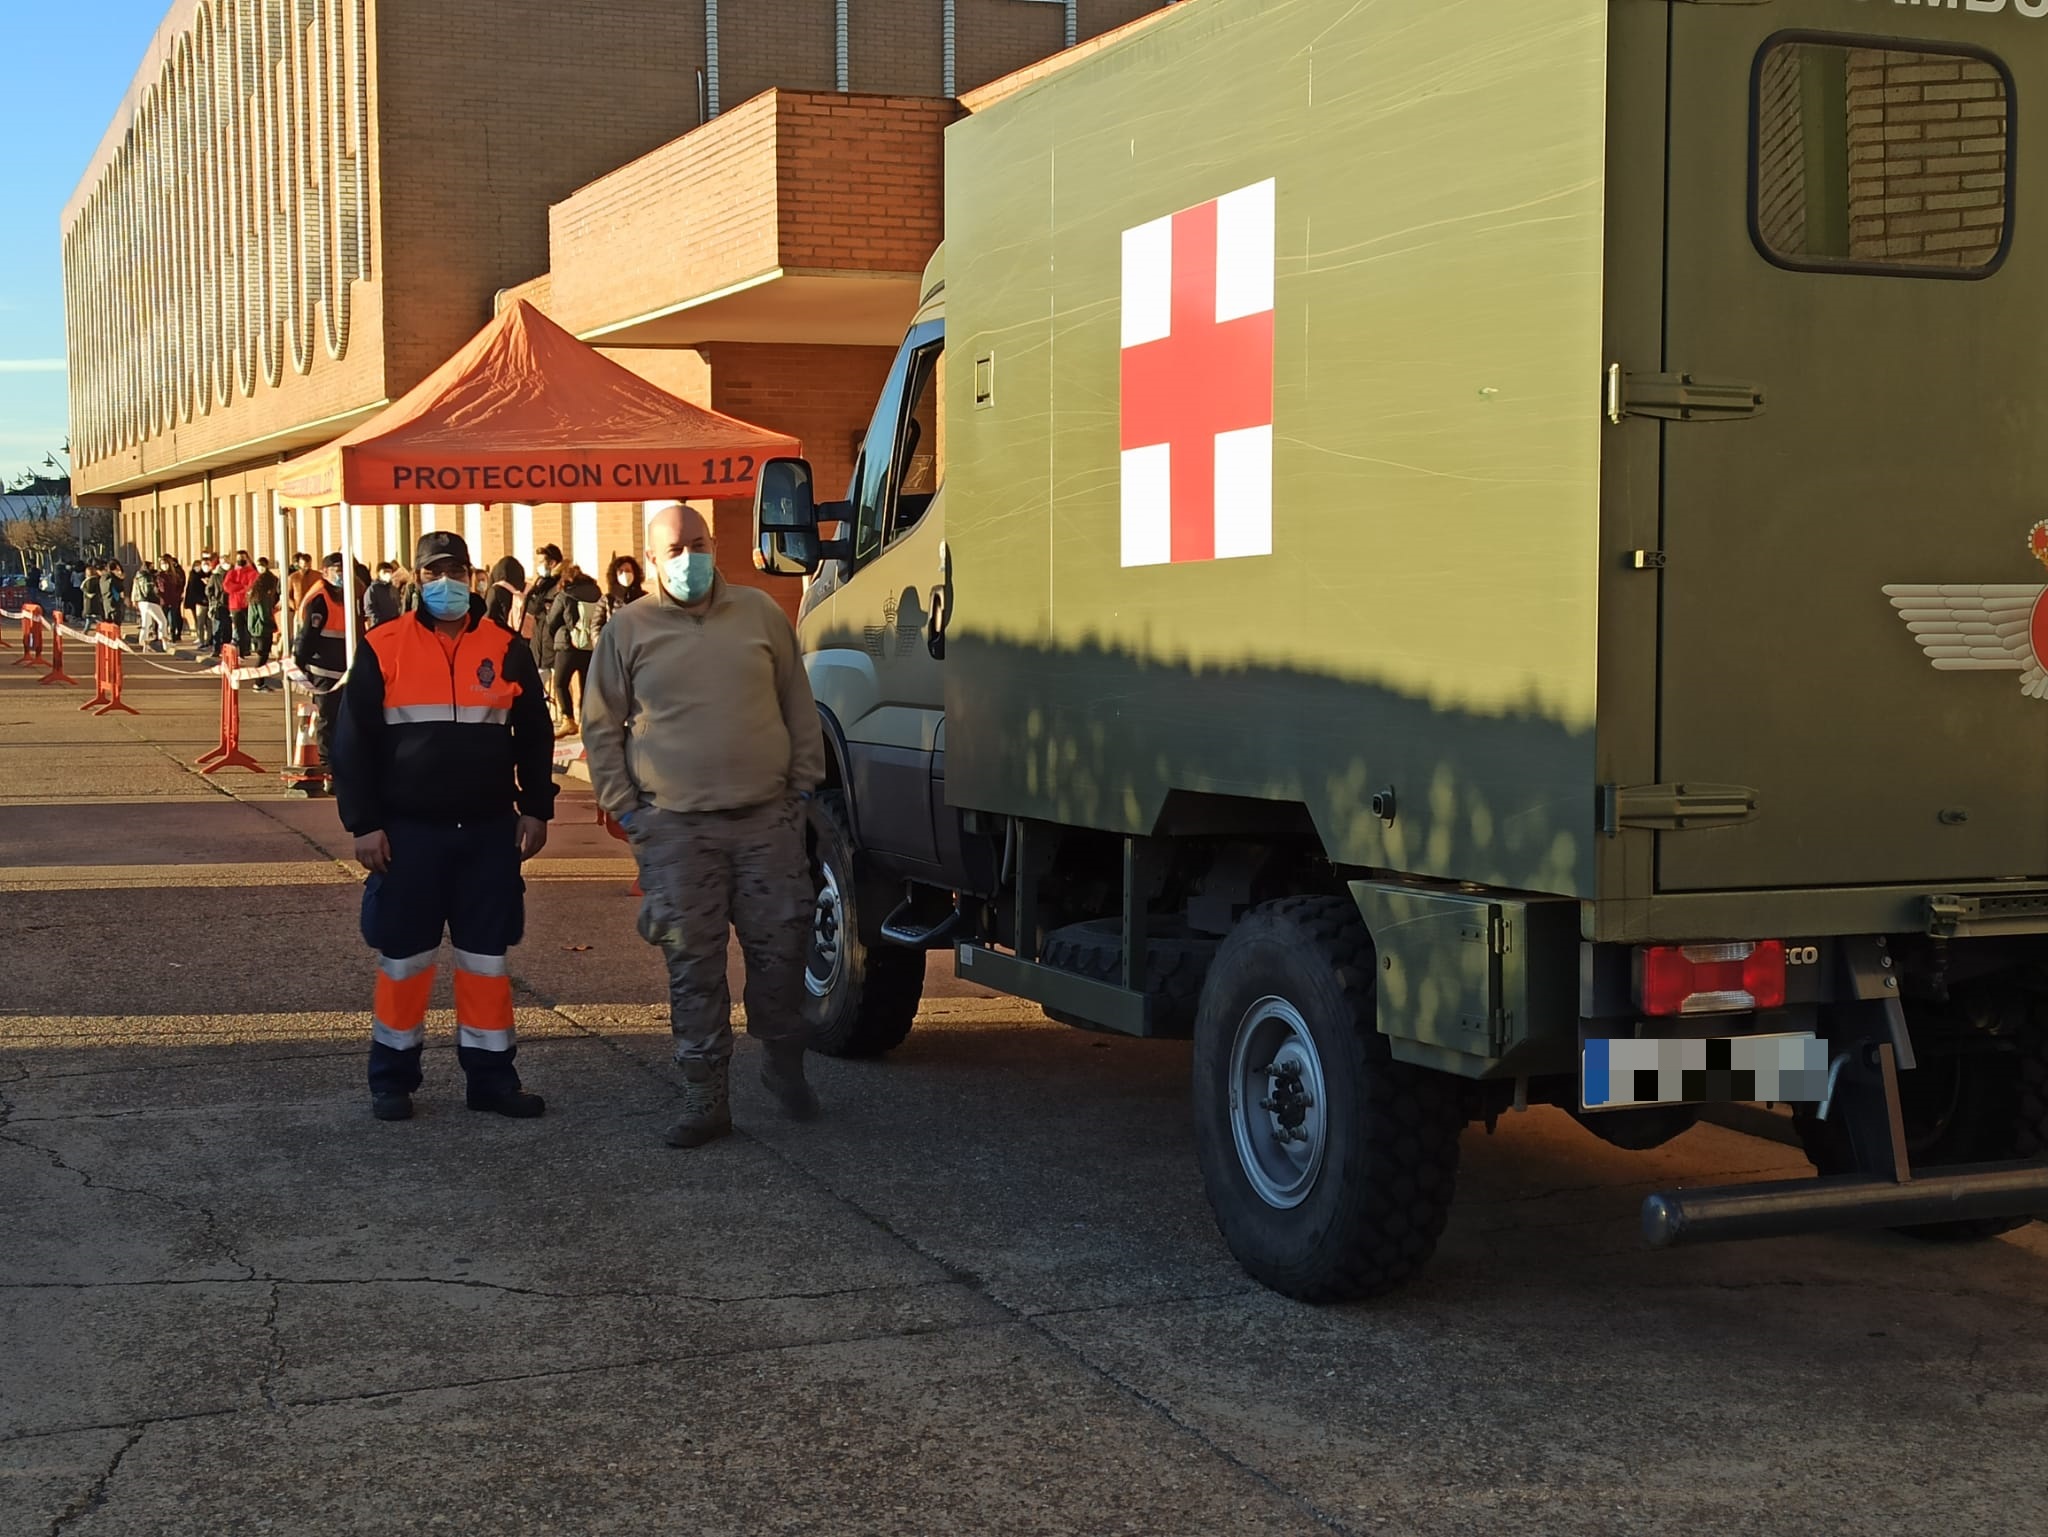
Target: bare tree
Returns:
[[38, 520]]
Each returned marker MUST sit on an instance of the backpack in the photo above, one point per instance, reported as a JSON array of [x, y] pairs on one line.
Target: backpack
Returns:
[[584, 628]]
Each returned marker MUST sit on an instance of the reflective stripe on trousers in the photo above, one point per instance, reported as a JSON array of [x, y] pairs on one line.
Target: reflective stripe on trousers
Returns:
[[483, 1002], [405, 985]]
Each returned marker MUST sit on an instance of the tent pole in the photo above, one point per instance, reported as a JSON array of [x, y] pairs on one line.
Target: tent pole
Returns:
[[351, 623]]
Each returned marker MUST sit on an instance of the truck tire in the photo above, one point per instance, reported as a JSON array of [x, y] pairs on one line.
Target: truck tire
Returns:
[[1971, 1107], [863, 997], [1175, 964], [1330, 1178]]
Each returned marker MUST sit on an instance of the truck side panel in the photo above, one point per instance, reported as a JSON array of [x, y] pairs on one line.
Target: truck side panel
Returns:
[[1426, 619]]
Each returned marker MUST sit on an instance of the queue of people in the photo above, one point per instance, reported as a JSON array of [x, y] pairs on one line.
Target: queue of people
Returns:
[[703, 743]]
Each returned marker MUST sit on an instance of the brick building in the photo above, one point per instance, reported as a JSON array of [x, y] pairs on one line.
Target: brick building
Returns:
[[303, 206]]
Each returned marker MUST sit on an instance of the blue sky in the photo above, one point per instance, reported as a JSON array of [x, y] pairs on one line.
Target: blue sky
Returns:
[[67, 67]]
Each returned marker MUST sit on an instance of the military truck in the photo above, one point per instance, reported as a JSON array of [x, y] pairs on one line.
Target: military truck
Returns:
[[1470, 556]]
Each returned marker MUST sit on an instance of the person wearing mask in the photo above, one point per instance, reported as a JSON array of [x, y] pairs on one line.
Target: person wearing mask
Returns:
[[703, 741], [320, 650], [444, 772], [150, 618], [95, 606], [506, 592], [264, 593], [117, 594], [380, 598], [236, 584], [170, 593], [628, 584], [195, 602], [218, 614], [574, 620], [540, 597], [298, 587]]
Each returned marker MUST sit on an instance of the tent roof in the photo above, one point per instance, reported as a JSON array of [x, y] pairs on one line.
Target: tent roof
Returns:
[[525, 412]]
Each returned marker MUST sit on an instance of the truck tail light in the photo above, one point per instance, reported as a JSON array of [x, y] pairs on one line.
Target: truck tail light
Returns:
[[1710, 979]]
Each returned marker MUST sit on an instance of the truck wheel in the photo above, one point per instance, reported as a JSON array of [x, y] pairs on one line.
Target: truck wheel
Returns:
[[1175, 964], [863, 998], [1329, 1166], [1959, 1107]]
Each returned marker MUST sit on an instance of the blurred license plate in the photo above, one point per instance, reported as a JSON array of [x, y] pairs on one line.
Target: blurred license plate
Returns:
[[1618, 1072]]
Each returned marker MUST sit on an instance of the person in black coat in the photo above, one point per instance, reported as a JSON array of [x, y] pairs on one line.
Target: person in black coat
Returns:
[[505, 591]]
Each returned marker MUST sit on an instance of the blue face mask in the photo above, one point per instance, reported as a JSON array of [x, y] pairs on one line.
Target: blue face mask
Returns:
[[445, 597], [687, 576]]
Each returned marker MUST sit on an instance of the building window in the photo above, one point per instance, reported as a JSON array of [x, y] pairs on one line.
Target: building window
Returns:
[[1881, 158]]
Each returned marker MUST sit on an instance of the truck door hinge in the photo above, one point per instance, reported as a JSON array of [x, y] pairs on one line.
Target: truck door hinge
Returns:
[[1679, 397], [1674, 808]]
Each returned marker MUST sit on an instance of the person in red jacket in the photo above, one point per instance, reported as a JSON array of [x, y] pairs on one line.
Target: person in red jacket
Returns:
[[240, 578]]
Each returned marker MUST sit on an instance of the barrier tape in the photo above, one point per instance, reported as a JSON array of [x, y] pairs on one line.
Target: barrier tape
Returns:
[[210, 670]]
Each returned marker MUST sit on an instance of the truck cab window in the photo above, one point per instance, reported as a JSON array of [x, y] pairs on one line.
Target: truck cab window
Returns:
[[920, 453], [1881, 159], [876, 477]]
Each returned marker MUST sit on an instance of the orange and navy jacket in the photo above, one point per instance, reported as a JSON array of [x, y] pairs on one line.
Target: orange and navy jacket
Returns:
[[439, 731], [321, 649]]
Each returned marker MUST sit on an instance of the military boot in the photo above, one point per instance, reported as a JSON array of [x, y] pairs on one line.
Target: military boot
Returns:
[[782, 1074], [706, 1114]]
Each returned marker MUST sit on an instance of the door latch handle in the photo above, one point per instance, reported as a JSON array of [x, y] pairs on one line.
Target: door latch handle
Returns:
[[941, 604]]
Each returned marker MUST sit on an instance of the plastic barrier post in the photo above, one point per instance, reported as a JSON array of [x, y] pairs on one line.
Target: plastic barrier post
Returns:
[[57, 674], [106, 675], [229, 754], [31, 636]]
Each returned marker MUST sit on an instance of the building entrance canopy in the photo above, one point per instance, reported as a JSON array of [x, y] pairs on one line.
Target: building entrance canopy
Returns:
[[525, 412]]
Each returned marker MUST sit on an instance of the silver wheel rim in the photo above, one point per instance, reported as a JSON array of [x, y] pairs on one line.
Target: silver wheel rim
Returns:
[[828, 924], [1278, 1107]]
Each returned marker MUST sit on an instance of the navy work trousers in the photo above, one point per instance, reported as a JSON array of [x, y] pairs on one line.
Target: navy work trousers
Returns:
[[462, 878]]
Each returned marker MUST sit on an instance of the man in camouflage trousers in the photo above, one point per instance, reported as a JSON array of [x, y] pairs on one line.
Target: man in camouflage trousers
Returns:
[[703, 743]]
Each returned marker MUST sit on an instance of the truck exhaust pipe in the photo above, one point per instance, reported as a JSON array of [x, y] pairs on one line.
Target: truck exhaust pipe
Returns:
[[1962, 1193]]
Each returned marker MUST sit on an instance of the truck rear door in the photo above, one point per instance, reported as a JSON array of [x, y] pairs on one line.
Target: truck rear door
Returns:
[[1851, 577]]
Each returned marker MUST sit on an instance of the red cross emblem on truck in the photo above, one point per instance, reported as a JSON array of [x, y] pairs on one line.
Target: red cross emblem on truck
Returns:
[[1197, 382]]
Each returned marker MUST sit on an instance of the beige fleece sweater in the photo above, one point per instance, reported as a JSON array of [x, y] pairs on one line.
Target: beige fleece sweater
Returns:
[[706, 711]]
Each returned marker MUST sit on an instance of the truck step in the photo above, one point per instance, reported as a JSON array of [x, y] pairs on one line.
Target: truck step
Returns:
[[913, 930]]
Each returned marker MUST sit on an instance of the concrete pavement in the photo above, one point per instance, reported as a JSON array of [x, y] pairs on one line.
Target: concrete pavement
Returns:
[[983, 1295]]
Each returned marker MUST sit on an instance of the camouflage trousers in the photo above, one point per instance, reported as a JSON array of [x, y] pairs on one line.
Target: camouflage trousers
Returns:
[[704, 873]]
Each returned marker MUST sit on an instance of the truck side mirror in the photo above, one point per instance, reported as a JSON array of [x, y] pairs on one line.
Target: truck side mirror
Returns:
[[786, 539]]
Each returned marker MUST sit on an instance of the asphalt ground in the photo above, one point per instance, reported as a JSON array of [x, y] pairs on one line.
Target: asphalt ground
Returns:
[[982, 1296]]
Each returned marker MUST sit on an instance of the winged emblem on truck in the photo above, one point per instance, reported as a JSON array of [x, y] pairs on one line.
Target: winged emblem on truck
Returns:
[[1989, 627]]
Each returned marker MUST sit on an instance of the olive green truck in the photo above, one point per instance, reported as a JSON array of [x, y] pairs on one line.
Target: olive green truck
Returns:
[[1465, 556]]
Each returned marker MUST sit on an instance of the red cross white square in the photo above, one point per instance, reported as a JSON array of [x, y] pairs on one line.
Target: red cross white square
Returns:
[[1198, 382]]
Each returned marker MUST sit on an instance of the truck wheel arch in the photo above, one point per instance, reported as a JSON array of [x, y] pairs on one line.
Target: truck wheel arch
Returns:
[[837, 762]]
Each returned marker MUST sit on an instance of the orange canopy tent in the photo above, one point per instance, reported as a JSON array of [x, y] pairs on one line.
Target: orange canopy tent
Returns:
[[525, 412]]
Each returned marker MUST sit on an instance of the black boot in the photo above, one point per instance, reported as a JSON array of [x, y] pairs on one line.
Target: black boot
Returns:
[[782, 1075], [391, 1107], [513, 1101]]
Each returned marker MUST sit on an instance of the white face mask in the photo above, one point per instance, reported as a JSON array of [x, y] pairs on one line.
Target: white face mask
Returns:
[[687, 576]]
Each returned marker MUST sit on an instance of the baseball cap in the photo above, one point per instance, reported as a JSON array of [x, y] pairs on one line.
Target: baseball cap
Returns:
[[440, 545]]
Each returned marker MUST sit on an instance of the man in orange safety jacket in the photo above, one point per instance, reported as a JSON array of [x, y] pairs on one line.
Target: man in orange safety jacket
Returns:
[[444, 771]]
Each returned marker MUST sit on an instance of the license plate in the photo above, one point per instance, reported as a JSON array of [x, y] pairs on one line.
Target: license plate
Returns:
[[1618, 1072]]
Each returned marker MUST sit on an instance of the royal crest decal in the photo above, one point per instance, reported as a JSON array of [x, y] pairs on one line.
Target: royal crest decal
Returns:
[[486, 674], [1983, 628]]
